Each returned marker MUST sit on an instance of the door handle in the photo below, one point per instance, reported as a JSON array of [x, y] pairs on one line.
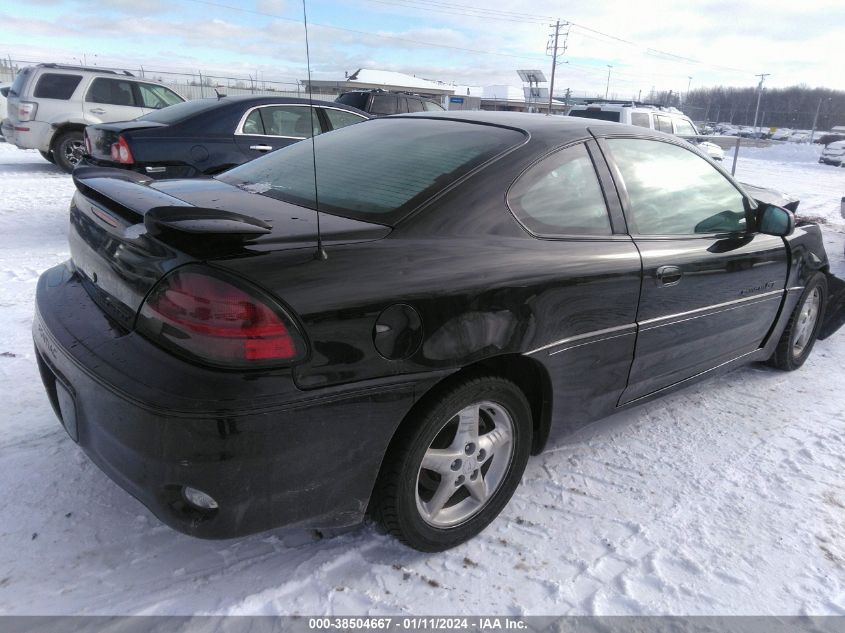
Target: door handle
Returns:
[[668, 275], [261, 148], [97, 111]]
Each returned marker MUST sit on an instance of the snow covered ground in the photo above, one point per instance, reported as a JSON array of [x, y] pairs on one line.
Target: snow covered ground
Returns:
[[725, 498]]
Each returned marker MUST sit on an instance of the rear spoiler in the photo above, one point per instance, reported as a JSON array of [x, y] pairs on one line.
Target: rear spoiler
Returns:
[[128, 195]]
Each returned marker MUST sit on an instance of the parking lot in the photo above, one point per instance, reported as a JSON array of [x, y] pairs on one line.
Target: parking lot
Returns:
[[723, 498]]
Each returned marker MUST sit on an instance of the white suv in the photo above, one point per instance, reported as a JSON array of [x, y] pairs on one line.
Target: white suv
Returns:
[[49, 106], [669, 120]]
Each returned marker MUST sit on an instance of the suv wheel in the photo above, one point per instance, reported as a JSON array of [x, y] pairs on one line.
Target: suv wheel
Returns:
[[457, 466], [67, 150]]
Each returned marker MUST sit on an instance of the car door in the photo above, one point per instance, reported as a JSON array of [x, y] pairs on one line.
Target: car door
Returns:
[[111, 99], [586, 325], [712, 286], [265, 128]]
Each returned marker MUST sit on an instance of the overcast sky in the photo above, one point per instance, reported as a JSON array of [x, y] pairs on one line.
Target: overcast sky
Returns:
[[479, 42]]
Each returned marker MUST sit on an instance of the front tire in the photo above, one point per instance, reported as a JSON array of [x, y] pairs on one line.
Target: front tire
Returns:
[[456, 464], [798, 338], [67, 150]]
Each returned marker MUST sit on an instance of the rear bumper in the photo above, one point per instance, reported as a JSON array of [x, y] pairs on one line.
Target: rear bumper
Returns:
[[29, 134], [268, 453]]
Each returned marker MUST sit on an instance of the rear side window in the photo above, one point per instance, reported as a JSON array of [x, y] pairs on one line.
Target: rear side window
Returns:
[[597, 113], [384, 104], [561, 195], [663, 123], [56, 86], [378, 172], [290, 121], [111, 91], [641, 119], [415, 105], [354, 99]]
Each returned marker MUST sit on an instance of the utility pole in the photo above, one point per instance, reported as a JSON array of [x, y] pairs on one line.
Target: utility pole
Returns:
[[554, 48], [689, 83], [816, 118], [607, 88], [762, 76]]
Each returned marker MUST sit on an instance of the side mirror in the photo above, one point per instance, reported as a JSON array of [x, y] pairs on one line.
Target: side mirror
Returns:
[[773, 220]]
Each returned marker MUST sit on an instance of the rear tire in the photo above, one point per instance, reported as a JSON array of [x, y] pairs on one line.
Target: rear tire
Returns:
[[67, 150], [48, 156], [798, 338], [455, 464]]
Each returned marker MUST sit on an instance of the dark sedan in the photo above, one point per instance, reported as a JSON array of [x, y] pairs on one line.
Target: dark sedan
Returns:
[[478, 281], [208, 136]]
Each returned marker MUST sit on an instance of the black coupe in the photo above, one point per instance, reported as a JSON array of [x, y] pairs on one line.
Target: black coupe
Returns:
[[478, 281], [208, 136]]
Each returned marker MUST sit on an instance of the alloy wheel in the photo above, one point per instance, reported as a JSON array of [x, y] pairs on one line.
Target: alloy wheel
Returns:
[[465, 464], [806, 324]]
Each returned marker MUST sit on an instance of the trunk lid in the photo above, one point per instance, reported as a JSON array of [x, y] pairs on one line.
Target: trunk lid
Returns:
[[127, 231], [102, 136]]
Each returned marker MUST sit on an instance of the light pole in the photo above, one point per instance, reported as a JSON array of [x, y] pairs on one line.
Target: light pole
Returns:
[[689, 83], [607, 88], [762, 76]]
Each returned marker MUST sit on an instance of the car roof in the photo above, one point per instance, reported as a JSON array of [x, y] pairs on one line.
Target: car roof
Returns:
[[267, 99], [535, 123]]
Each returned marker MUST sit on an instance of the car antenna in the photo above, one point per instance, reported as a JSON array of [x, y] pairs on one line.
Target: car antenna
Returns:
[[321, 252], [219, 94]]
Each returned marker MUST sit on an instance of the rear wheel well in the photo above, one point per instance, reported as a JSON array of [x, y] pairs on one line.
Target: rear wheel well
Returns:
[[66, 127]]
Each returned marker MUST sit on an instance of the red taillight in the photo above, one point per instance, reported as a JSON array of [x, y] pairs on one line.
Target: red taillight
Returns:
[[121, 153], [214, 320], [87, 142]]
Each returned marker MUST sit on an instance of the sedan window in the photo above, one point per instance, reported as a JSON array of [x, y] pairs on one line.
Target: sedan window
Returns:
[[561, 196], [342, 118], [288, 121], [673, 191]]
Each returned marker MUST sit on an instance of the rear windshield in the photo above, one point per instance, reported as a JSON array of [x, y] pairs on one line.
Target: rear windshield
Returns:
[[180, 111], [376, 171], [16, 90], [354, 99], [601, 115], [56, 86]]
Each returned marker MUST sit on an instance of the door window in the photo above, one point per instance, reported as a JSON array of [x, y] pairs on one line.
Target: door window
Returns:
[[561, 195], [253, 125], [663, 123], [157, 97], [342, 118], [111, 91], [641, 119], [56, 86], [673, 191], [684, 127], [384, 104], [430, 106], [415, 105], [289, 121]]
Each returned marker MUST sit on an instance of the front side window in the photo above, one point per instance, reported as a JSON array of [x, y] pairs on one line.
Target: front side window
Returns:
[[430, 106], [378, 172], [641, 119], [684, 127], [384, 104], [111, 91], [342, 118], [673, 191], [157, 97], [561, 195], [56, 86]]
